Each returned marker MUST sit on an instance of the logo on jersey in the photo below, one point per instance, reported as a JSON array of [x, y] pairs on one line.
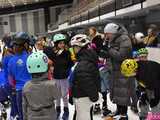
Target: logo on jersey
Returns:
[[20, 62]]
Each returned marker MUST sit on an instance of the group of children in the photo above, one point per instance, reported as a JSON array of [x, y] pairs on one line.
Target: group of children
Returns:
[[81, 71]]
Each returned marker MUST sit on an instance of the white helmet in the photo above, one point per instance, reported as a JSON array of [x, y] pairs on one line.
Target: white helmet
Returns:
[[139, 37], [111, 28], [80, 40]]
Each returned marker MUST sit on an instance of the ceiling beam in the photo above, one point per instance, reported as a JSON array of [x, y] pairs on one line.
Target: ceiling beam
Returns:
[[33, 6]]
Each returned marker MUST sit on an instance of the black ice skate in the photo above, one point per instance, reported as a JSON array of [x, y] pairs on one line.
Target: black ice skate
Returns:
[[3, 112], [58, 109], [97, 109], [105, 111]]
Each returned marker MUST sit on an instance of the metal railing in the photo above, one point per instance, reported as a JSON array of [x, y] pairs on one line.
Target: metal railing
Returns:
[[76, 13]]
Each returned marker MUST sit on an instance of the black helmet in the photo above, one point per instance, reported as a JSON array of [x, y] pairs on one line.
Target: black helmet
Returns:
[[21, 38]]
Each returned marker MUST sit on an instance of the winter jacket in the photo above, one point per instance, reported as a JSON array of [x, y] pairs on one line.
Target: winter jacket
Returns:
[[149, 73], [121, 87], [86, 81], [62, 63], [151, 41], [38, 99]]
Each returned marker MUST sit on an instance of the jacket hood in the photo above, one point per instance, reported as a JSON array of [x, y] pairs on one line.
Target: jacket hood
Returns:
[[87, 55]]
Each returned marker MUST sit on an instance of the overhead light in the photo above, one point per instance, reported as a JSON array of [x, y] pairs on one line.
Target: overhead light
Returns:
[[12, 4], [24, 2]]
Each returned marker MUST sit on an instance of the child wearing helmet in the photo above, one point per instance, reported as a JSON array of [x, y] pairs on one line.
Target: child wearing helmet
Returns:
[[7, 55], [142, 54], [143, 105], [147, 74], [39, 93], [138, 41], [62, 64], [86, 78], [17, 70]]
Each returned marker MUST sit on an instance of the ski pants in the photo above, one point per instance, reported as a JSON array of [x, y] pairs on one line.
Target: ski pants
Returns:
[[83, 108]]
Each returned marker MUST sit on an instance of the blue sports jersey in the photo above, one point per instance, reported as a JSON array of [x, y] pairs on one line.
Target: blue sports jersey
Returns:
[[5, 61], [17, 69]]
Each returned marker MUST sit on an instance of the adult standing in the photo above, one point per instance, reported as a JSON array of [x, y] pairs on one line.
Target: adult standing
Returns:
[[119, 48], [152, 39]]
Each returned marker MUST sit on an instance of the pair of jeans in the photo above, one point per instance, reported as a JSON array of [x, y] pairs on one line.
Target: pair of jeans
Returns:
[[62, 85]]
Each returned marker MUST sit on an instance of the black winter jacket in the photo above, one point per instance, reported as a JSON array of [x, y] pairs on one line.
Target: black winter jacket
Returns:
[[149, 73], [86, 81]]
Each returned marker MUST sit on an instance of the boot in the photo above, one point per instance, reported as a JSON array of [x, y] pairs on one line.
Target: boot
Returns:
[[65, 114], [4, 115], [97, 109], [105, 111], [58, 109]]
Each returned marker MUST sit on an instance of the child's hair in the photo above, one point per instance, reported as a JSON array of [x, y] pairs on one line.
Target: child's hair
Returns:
[[93, 29], [37, 75]]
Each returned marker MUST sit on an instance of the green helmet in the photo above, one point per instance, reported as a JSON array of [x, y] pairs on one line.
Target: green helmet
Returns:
[[37, 62], [59, 37], [142, 51]]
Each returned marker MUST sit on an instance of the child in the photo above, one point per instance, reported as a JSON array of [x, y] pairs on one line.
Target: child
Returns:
[[62, 63], [147, 74], [3, 95], [17, 70], [143, 104], [104, 75], [104, 68], [142, 54], [39, 93], [8, 53], [86, 79]]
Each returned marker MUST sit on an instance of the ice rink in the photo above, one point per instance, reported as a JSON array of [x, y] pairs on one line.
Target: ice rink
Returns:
[[111, 106]]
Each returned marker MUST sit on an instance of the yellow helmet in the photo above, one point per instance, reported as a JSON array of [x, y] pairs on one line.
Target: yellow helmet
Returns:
[[129, 67]]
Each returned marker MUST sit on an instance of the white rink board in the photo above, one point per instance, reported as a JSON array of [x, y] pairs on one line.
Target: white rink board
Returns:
[[154, 54]]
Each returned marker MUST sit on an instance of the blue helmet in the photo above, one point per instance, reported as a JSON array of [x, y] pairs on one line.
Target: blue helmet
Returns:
[[134, 54]]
